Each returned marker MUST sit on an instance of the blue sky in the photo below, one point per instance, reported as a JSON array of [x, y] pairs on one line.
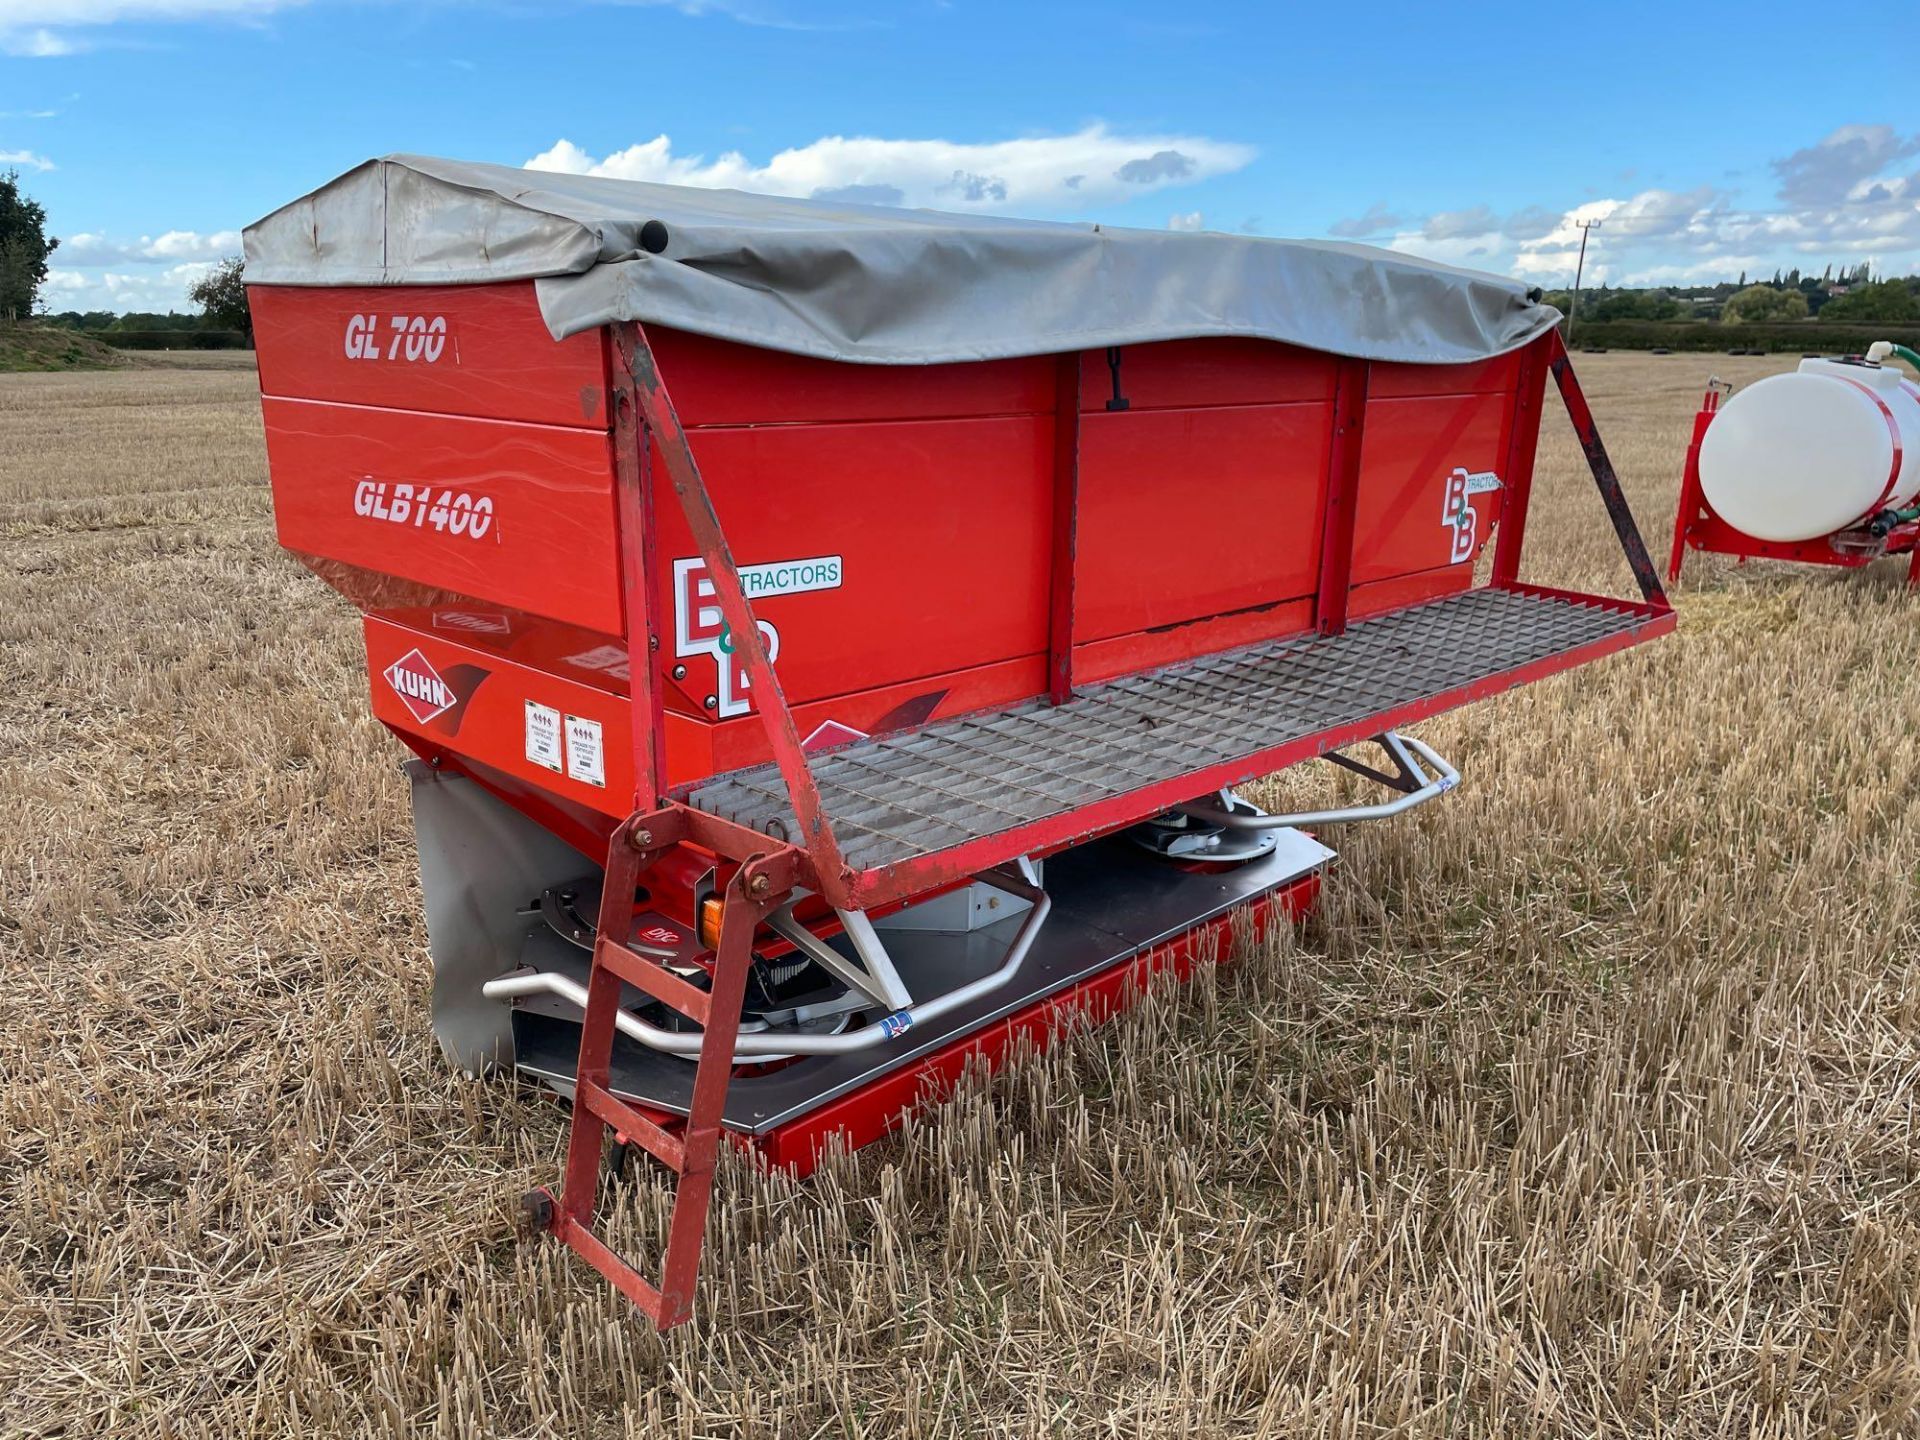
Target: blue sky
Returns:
[[1707, 140]]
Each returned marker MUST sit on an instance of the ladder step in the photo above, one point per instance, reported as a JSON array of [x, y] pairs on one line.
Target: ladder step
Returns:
[[655, 979], [631, 1124], [622, 1276]]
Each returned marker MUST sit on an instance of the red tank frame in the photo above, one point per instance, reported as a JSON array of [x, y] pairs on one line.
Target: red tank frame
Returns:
[[1697, 527], [1000, 531]]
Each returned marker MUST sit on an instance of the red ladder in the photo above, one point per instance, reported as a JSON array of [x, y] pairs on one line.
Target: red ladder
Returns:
[[690, 1153]]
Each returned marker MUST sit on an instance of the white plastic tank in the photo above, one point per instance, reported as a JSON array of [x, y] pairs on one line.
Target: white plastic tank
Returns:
[[1822, 449]]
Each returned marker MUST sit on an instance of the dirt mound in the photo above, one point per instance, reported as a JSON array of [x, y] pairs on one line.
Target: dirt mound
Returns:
[[52, 347]]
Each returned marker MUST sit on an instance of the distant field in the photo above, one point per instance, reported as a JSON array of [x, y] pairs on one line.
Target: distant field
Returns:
[[55, 349], [1586, 1105], [193, 359]]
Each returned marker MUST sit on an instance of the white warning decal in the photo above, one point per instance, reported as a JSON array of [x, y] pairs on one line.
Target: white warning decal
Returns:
[[1460, 517], [543, 735], [586, 752], [700, 629]]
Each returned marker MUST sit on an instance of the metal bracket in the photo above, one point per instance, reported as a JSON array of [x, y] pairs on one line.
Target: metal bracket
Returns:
[[1604, 477], [769, 700], [1119, 400], [1415, 785], [780, 1045], [878, 981]]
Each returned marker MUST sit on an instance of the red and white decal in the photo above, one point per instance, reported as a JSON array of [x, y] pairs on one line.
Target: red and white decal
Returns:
[[420, 687], [607, 659], [473, 622], [831, 732], [700, 629], [1459, 516]]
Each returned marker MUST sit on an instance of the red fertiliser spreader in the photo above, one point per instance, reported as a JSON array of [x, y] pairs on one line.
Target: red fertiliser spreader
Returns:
[[830, 636]]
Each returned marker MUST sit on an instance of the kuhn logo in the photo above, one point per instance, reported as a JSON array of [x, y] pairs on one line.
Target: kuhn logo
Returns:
[[419, 686]]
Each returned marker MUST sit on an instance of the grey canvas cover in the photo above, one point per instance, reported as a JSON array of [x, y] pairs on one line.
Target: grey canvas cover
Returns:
[[871, 284]]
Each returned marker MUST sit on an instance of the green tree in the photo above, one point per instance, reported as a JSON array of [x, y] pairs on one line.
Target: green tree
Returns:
[[221, 295], [1890, 302], [1634, 305], [24, 248], [1758, 304]]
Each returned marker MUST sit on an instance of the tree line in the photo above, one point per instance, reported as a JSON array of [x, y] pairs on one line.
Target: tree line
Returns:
[[1850, 297], [221, 295]]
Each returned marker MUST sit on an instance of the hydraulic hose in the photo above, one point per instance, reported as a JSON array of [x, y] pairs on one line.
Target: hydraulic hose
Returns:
[[1881, 349]]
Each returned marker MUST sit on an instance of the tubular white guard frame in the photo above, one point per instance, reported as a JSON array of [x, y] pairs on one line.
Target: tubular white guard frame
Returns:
[[1419, 786], [879, 982], [883, 978]]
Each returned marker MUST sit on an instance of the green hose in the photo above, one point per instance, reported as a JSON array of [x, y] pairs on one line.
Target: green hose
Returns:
[[1910, 356]]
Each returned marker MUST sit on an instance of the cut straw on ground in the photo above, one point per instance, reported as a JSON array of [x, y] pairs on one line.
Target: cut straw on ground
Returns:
[[1584, 1106]]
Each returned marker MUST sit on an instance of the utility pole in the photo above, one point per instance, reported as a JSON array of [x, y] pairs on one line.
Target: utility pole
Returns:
[[1579, 266]]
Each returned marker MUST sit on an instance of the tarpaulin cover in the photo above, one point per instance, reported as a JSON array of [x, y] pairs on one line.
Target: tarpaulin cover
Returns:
[[869, 283]]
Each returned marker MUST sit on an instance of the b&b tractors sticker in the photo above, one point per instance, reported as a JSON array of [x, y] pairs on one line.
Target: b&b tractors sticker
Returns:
[[1459, 516], [700, 629]]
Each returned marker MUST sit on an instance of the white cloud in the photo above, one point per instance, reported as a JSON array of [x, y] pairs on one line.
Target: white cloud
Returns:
[[9, 158], [37, 44], [1852, 196], [760, 15], [42, 27], [1461, 224], [158, 290], [97, 272], [1088, 168], [1378, 218], [1842, 166], [1474, 252], [25, 14], [1192, 220], [173, 247], [1530, 222]]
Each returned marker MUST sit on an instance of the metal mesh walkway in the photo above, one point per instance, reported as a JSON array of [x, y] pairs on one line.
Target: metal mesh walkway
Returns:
[[956, 781]]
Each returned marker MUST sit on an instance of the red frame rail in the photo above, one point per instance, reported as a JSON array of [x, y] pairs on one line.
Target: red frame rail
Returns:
[[1697, 527]]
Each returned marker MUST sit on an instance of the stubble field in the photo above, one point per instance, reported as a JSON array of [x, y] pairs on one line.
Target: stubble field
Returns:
[[1585, 1105]]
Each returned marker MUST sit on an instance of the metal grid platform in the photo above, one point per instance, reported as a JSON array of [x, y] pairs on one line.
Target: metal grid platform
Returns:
[[955, 782]]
